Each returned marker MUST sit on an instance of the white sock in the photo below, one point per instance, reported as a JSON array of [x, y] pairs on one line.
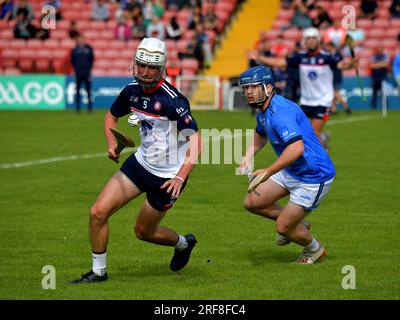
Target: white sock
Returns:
[[99, 263], [181, 244], [313, 246]]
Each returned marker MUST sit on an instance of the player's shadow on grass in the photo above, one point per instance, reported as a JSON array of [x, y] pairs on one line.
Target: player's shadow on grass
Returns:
[[266, 256], [160, 270]]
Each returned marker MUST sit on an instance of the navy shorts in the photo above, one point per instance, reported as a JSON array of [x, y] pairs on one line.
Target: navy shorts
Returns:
[[317, 112], [147, 182]]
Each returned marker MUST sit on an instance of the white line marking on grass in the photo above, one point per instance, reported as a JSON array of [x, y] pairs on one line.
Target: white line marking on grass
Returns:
[[55, 159], [352, 119], [104, 154]]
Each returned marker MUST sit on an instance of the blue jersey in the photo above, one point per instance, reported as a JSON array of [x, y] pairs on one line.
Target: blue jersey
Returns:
[[283, 123]]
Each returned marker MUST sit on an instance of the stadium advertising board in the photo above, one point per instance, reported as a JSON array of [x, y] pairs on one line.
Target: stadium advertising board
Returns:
[[104, 91], [352, 93], [32, 92]]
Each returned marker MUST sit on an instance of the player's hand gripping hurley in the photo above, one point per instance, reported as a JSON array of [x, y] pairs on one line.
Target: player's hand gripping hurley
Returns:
[[123, 141]]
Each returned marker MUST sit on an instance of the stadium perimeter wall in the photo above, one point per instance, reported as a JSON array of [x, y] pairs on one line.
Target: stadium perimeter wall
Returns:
[[57, 92]]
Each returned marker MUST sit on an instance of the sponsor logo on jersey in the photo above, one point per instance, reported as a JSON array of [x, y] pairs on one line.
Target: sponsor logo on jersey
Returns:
[[312, 75], [157, 106], [188, 119]]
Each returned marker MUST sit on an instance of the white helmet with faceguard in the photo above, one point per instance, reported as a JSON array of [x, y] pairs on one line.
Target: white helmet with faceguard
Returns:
[[149, 64]]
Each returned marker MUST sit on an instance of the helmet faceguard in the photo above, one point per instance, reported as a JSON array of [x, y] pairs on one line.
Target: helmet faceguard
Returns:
[[149, 62], [255, 94], [253, 84], [311, 33]]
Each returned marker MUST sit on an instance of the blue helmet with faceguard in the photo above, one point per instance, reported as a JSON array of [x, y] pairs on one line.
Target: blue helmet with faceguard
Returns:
[[259, 75]]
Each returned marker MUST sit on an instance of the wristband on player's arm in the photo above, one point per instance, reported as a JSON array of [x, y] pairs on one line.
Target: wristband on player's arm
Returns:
[[180, 178]]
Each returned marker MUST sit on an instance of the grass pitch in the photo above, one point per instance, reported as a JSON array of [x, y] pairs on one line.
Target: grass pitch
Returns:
[[44, 217]]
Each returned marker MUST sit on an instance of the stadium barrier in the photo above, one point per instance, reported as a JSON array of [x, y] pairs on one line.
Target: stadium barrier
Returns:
[[57, 92]]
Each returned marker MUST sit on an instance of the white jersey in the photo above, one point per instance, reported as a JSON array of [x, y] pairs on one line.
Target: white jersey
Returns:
[[165, 123], [316, 77]]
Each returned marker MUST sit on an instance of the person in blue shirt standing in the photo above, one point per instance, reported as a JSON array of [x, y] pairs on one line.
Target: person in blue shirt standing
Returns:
[[396, 65], [379, 65], [82, 58], [303, 169]]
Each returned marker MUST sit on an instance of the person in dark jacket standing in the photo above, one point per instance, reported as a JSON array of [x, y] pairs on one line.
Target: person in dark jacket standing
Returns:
[[82, 61]]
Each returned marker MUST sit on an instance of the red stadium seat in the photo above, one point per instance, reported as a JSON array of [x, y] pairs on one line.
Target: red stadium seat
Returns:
[[42, 65], [292, 34], [285, 14], [68, 43], [9, 57], [26, 65], [99, 72], [375, 33], [381, 23], [59, 34], [189, 63], [7, 34], [51, 44], [98, 25], [34, 43], [364, 23], [107, 35], [63, 25], [395, 23], [11, 71], [18, 44]]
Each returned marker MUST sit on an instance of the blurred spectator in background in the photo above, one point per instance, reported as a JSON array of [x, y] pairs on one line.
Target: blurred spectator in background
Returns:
[[337, 80], [174, 30], [173, 70], [308, 4], [368, 9], [125, 9], [279, 47], [122, 30], [82, 59], [335, 34], [174, 4], [42, 32], [193, 50], [264, 50], [24, 7], [6, 9], [322, 20], [23, 28], [293, 77], [395, 9], [210, 20], [100, 10], [301, 19], [204, 42], [379, 65], [138, 28], [73, 30], [263, 37], [155, 29], [57, 5], [136, 11], [157, 8], [396, 65], [196, 17], [286, 4]]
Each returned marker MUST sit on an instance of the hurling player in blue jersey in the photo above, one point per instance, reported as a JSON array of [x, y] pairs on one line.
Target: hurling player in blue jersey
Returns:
[[170, 147], [316, 68], [303, 169]]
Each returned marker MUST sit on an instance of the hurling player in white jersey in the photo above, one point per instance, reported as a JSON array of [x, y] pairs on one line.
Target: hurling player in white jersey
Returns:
[[170, 147], [316, 77]]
